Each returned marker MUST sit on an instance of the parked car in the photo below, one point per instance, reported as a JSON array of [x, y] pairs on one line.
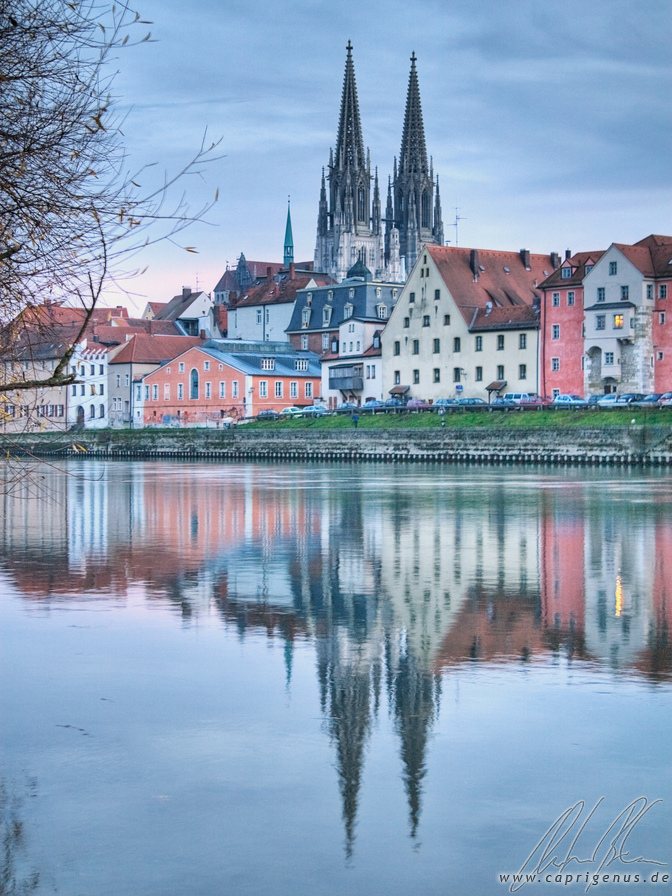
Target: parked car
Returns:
[[372, 404], [517, 397], [291, 412], [629, 397], [649, 401], [446, 403], [502, 404], [347, 407], [535, 401], [665, 400], [473, 403], [569, 401], [394, 403], [315, 410], [417, 403], [607, 401], [268, 414]]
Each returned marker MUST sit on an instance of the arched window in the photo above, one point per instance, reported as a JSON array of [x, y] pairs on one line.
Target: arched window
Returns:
[[361, 211], [425, 210], [101, 410], [193, 385], [92, 411]]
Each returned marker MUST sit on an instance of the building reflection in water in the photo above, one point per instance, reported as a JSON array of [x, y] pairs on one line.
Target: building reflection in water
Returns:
[[394, 577]]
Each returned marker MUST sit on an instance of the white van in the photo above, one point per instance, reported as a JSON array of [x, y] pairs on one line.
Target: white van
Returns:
[[517, 397]]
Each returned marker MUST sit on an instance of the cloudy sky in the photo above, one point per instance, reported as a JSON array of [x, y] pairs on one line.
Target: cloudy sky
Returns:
[[549, 121]]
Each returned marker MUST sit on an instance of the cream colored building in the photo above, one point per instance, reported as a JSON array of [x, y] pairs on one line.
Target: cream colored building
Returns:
[[467, 319]]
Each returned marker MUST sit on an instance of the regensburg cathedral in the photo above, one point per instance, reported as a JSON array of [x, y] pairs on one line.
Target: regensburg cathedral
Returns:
[[350, 225]]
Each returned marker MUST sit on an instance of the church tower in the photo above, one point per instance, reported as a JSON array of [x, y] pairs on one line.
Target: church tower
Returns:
[[349, 219], [417, 210], [288, 255]]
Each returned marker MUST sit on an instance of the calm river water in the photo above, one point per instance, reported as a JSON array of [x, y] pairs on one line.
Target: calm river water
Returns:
[[324, 680]]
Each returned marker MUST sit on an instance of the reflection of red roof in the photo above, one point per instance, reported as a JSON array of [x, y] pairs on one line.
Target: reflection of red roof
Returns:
[[144, 349]]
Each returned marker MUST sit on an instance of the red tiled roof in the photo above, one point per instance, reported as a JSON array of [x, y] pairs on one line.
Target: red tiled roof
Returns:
[[144, 349], [506, 318], [272, 292], [578, 262], [652, 256], [502, 278]]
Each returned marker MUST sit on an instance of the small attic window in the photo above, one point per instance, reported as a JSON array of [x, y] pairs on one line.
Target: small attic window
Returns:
[[309, 298]]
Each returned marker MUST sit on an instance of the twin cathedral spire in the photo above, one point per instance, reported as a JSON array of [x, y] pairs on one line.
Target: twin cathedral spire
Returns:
[[350, 225]]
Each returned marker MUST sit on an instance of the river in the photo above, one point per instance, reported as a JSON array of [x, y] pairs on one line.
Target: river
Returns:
[[322, 680]]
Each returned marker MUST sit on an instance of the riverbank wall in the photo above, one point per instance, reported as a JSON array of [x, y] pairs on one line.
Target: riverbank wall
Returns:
[[617, 445]]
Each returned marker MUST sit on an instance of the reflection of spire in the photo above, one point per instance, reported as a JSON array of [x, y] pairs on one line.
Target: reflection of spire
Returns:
[[415, 700]]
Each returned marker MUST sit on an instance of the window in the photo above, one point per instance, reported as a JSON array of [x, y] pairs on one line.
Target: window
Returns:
[[325, 342], [304, 343], [263, 388], [437, 375], [118, 380], [600, 322], [522, 340], [348, 310], [411, 297], [613, 268], [556, 331], [382, 311], [397, 378], [456, 344], [326, 316], [437, 295], [625, 292], [425, 320], [600, 293], [180, 391], [301, 364], [309, 390], [649, 290], [193, 388], [258, 315], [407, 322], [268, 363], [397, 348], [368, 371], [457, 372], [155, 392], [570, 298], [93, 370], [446, 320], [500, 371], [500, 342], [234, 389], [74, 390], [522, 371], [293, 389], [128, 379], [479, 343], [166, 391], [101, 389], [567, 273], [662, 317], [358, 346], [373, 371], [618, 321], [416, 377], [555, 363], [92, 412], [146, 393], [416, 346], [588, 268], [208, 390], [479, 374], [437, 346], [222, 389], [609, 358], [556, 299], [305, 317], [180, 367], [662, 291]]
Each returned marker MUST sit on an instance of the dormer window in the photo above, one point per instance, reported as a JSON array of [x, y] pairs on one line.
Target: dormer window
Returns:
[[305, 317], [268, 363], [382, 311], [301, 364], [351, 292], [309, 299], [348, 310], [379, 292], [326, 315], [330, 295], [567, 273]]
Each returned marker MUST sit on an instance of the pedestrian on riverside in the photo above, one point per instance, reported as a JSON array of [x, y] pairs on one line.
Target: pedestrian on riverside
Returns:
[[355, 420]]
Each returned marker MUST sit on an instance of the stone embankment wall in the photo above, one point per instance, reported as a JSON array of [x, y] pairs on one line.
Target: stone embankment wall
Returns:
[[621, 445]]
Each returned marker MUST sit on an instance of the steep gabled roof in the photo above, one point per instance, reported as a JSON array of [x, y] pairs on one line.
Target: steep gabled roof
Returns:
[[281, 289], [178, 305], [652, 256], [578, 263], [505, 279]]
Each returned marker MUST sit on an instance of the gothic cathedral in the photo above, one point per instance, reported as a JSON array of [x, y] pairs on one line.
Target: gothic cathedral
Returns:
[[350, 223]]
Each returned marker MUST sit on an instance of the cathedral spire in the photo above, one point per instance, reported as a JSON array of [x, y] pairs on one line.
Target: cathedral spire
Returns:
[[349, 143], [413, 156]]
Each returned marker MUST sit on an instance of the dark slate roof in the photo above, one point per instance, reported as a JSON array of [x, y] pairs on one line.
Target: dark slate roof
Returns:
[[364, 303], [248, 357]]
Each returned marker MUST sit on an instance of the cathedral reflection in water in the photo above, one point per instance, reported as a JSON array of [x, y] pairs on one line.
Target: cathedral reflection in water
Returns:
[[395, 576]]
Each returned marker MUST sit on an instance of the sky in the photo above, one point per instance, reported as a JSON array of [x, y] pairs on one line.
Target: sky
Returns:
[[549, 121]]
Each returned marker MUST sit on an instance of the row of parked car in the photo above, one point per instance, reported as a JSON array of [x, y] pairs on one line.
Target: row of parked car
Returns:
[[510, 401]]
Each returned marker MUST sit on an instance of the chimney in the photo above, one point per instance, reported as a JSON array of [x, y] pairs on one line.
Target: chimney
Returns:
[[525, 258], [201, 333], [555, 260], [291, 270], [568, 254], [473, 263], [186, 291], [269, 273]]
